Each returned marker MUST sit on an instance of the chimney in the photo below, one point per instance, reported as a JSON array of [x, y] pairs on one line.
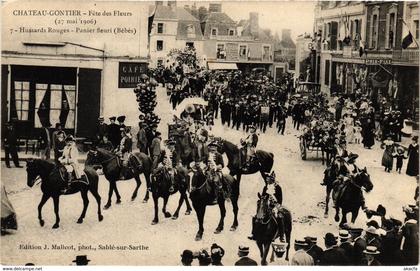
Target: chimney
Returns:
[[215, 7], [159, 3], [253, 23], [172, 4], [286, 34]]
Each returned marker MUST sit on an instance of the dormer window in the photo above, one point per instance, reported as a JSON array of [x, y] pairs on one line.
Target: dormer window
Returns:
[[231, 32], [214, 31], [190, 31]]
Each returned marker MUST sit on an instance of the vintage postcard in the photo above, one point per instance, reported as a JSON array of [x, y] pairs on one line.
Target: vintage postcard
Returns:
[[236, 133]]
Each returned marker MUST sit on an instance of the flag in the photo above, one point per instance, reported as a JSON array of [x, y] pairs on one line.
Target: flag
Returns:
[[380, 78], [407, 41], [150, 20], [44, 108]]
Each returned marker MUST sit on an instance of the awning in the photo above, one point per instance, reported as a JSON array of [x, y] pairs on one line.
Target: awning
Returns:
[[222, 66]]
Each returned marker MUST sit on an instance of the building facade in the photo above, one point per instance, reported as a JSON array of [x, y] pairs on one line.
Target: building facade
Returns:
[[173, 28], [304, 46], [51, 77]]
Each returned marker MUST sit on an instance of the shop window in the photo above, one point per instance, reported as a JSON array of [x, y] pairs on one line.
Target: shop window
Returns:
[[160, 28], [221, 54], [22, 100], [327, 72], [189, 44], [333, 35], [159, 45]]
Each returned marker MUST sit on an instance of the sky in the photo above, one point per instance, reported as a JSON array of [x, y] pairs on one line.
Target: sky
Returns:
[[276, 15]]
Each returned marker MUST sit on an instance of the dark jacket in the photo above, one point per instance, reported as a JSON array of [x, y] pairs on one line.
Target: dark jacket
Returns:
[[246, 261], [114, 134], [316, 253], [10, 138], [334, 256], [348, 249]]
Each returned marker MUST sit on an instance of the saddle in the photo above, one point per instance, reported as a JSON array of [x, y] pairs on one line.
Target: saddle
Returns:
[[132, 164], [65, 177]]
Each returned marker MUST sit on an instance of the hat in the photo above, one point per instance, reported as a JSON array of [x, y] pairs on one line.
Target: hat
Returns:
[[372, 230], [157, 133], [70, 138], [344, 234], [330, 239], [112, 118], [243, 249], [311, 239], [300, 242], [372, 250], [217, 250], [121, 118], [373, 223], [279, 248], [415, 138], [81, 260], [388, 142], [187, 254], [101, 118], [204, 257], [271, 177], [355, 232], [213, 144], [252, 127]]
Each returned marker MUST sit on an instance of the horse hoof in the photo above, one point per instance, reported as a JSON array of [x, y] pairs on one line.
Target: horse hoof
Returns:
[[154, 222], [42, 223], [217, 231], [336, 218], [325, 215], [106, 207], [55, 226], [198, 237], [263, 263], [100, 218], [118, 201], [145, 200], [174, 217], [133, 198], [233, 228], [80, 221], [188, 212], [167, 214]]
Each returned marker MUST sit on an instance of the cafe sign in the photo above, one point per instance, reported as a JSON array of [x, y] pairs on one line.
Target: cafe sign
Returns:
[[129, 74], [379, 61]]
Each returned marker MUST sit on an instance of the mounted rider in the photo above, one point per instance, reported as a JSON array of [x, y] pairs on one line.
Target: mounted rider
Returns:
[[215, 164], [123, 150], [201, 136], [169, 160], [249, 145], [69, 160], [274, 192]]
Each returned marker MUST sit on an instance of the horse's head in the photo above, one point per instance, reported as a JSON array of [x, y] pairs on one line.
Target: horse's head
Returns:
[[263, 207], [33, 171], [362, 179], [100, 155]]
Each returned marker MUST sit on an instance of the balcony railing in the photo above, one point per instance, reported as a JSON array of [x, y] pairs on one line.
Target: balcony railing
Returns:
[[408, 56]]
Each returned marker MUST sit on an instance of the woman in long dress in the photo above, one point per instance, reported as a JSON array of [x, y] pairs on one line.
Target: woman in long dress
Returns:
[[387, 158], [413, 158]]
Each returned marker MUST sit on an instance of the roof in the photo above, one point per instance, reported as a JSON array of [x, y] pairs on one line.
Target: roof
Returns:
[[169, 13], [287, 44], [247, 31], [218, 17]]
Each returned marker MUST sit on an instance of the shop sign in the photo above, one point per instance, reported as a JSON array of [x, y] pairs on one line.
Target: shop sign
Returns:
[[379, 61], [129, 74]]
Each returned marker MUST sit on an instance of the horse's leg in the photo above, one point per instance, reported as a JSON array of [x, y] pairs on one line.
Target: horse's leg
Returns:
[[156, 205], [200, 211], [56, 200], [238, 178], [180, 202], [266, 249], [40, 205], [327, 201], [187, 202], [288, 234], [222, 209], [138, 183], [235, 208], [260, 247], [165, 202], [110, 192], [98, 200], [148, 184], [354, 215], [85, 205], [343, 218], [322, 156], [337, 210], [117, 193]]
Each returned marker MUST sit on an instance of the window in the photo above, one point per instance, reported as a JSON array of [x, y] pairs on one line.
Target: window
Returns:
[[416, 29], [189, 44], [22, 99], [221, 54], [159, 45], [190, 31], [374, 25], [214, 31], [160, 28], [266, 52], [327, 72], [243, 52], [391, 27], [231, 32]]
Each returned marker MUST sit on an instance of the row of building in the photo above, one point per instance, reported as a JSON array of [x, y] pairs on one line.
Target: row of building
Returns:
[[357, 41], [83, 59]]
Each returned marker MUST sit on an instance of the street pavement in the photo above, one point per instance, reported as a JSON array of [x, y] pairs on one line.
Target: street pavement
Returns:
[[129, 223]]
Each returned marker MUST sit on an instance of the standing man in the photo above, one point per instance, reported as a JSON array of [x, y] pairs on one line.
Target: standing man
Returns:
[[58, 130], [9, 144], [45, 145], [244, 260], [281, 120], [333, 255], [155, 148], [142, 142], [114, 132], [101, 129], [301, 257]]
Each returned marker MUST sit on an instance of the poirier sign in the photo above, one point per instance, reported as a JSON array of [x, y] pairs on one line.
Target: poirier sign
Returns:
[[129, 74]]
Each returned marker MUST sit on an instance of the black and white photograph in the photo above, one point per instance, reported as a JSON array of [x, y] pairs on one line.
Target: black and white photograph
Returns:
[[209, 133]]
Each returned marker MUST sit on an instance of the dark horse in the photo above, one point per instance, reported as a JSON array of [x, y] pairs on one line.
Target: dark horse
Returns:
[[351, 198], [112, 166], [266, 226], [52, 183], [330, 175], [202, 194], [160, 189], [263, 164]]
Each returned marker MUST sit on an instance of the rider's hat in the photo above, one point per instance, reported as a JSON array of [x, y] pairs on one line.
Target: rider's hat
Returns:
[[311, 239], [121, 118], [70, 138], [213, 144]]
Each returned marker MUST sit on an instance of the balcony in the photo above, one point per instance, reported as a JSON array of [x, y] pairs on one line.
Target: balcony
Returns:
[[409, 56]]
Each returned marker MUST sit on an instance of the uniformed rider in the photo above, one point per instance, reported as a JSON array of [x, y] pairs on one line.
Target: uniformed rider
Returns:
[[250, 143]]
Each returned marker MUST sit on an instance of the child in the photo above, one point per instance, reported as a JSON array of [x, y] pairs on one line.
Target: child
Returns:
[[400, 156], [387, 158], [357, 133]]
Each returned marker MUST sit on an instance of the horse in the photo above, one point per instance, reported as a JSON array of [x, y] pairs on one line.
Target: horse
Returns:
[[184, 148], [352, 196], [266, 228], [160, 189], [202, 195], [263, 165], [112, 167], [52, 183]]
